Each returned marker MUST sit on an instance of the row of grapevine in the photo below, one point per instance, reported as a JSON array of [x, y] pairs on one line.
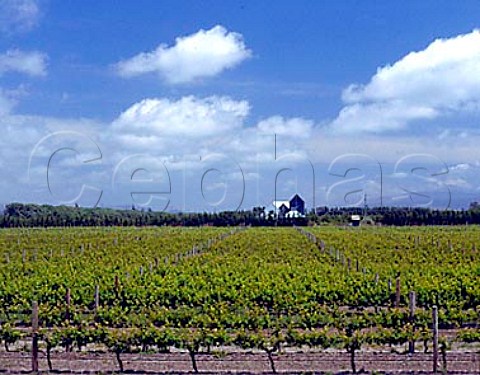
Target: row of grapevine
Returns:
[[262, 288]]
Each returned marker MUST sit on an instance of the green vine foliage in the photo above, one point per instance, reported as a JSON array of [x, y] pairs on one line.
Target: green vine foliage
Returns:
[[259, 288]]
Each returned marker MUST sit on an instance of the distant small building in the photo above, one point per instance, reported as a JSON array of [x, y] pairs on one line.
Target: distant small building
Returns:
[[355, 220], [293, 208], [281, 206], [297, 204]]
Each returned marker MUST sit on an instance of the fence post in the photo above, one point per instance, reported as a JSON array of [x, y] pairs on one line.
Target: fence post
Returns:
[[97, 298], [397, 292], [67, 314], [435, 338], [412, 300], [67, 304], [35, 336]]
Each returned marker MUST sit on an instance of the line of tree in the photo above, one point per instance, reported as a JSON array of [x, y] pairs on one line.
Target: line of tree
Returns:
[[33, 215], [399, 216]]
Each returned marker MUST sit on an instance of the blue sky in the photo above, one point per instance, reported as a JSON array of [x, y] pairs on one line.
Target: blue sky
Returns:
[[179, 102]]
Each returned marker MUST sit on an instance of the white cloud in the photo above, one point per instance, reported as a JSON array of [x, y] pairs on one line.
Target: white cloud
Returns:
[[177, 129], [441, 79], [6, 103], [192, 126], [203, 54], [31, 63], [178, 132], [293, 127], [460, 167], [187, 118], [18, 15], [381, 116], [39, 138], [458, 183]]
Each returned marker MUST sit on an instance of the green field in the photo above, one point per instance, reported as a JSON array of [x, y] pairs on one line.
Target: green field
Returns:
[[253, 288]]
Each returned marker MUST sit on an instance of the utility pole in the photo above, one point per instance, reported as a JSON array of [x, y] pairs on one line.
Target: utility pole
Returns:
[[365, 205]]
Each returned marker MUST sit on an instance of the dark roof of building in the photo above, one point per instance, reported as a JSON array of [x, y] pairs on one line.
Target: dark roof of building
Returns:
[[297, 197]]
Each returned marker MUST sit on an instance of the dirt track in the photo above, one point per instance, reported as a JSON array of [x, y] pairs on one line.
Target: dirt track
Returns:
[[243, 362]]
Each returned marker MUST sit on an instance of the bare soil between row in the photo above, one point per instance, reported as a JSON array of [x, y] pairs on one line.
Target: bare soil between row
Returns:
[[243, 363]]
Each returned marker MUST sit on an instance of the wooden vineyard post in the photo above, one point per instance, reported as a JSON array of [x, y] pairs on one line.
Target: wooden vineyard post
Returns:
[[412, 301], [97, 298], [435, 338], [67, 305], [116, 286], [35, 337], [397, 292], [67, 313]]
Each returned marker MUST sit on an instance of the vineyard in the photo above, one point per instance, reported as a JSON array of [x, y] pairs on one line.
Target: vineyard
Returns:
[[324, 299]]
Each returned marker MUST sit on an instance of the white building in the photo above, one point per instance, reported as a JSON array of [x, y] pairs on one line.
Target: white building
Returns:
[[278, 204]]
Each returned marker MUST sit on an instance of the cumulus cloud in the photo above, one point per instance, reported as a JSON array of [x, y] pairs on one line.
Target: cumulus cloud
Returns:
[[460, 167], [194, 126], [191, 126], [423, 85], [203, 54], [6, 103], [293, 127], [161, 121], [380, 116], [30, 63], [39, 137], [183, 134], [18, 15]]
